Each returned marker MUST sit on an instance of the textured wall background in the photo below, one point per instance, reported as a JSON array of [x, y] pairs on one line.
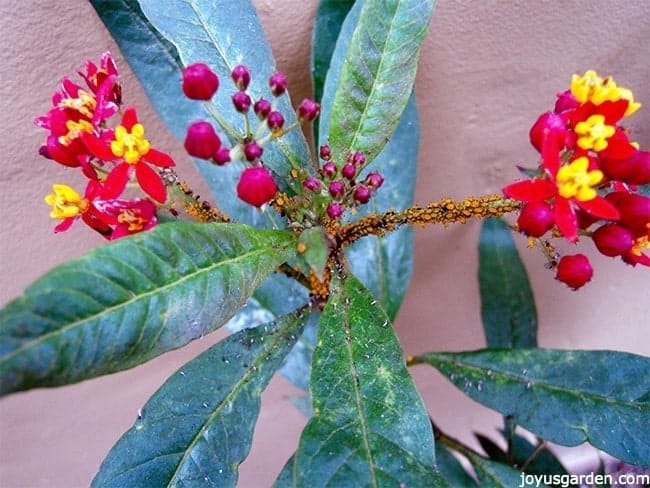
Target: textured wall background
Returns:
[[488, 68]]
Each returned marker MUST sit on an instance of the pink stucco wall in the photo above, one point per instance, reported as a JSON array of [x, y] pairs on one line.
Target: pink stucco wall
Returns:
[[488, 68]]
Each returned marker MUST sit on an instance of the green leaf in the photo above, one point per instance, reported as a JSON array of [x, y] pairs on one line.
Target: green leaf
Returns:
[[376, 77], [385, 264], [451, 469], [198, 427], [566, 397], [127, 302], [543, 462], [493, 474], [507, 303], [157, 64], [313, 249], [370, 426], [225, 35], [327, 25]]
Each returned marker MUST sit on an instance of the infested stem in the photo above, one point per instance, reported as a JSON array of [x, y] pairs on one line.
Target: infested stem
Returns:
[[445, 212]]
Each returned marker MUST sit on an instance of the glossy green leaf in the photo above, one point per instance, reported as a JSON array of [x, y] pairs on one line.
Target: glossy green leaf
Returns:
[[370, 427], [127, 302], [385, 264], [158, 64], [225, 34], [198, 427], [376, 77], [327, 26], [507, 302], [566, 397]]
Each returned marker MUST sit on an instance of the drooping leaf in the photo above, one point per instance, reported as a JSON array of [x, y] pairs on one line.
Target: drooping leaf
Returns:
[[158, 64], [535, 460], [127, 302], [507, 303], [327, 26], [497, 475], [376, 77], [385, 264], [451, 469], [198, 427], [566, 397], [370, 426]]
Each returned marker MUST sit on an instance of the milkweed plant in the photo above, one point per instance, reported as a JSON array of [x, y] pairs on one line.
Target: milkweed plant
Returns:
[[295, 233]]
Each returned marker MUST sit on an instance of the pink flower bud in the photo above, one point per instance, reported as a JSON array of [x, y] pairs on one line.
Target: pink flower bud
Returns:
[[262, 108], [275, 121], [241, 101], [574, 270], [252, 151], [634, 170], [550, 125], [201, 140], [278, 84], [535, 219], [256, 186], [613, 240], [222, 156], [199, 82], [635, 212], [335, 210], [330, 169], [374, 180], [361, 194], [312, 184], [565, 101], [348, 171], [337, 188], [308, 110], [241, 76], [358, 158], [325, 152]]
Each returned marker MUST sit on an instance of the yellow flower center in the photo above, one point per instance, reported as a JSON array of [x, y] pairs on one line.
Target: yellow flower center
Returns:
[[592, 88], [640, 245], [85, 103], [135, 222], [574, 180], [65, 202], [74, 131], [593, 133], [130, 145]]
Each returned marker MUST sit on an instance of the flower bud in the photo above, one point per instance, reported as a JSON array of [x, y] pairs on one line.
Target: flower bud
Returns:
[[325, 152], [565, 101], [312, 184], [201, 140], [337, 188], [361, 194], [241, 76], [613, 240], [241, 101], [374, 180], [358, 158], [222, 156], [199, 82], [329, 169], [252, 151], [275, 121], [635, 212], [574, 270], [256, 186], [535, 219], [308, 110], [634, 170], [278, 84], [550, 125], [335, 210], [348, 171], [262, 108]]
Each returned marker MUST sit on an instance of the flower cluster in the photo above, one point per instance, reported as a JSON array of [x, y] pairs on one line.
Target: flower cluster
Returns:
[[256, 184], [111, 158], [587, 179]]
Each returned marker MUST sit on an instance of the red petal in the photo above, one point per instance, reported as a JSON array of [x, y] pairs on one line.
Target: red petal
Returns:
[[551, 154], [618, 146], [530, 190], [612, 111], [64, 225], [116, 181], [150, 182], [159, 158], [599, 207], [129, 119], [566, 219], [98, 147]]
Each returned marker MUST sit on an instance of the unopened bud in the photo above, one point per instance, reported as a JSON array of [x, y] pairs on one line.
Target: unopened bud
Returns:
[[241, 101], [252, 151], [262, 108], [278, 84], [199, 82], [241, 76], [201, 140]]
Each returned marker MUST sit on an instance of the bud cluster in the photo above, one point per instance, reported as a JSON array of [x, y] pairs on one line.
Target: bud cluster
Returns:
[[256, 184], [586, 183]]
